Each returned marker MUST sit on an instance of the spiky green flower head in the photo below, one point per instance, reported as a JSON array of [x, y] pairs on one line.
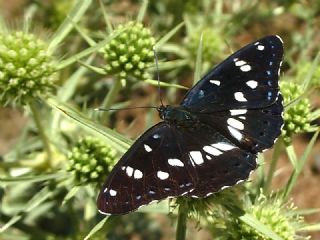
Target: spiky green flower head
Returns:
[[305, 69], [90, 161], [130, 53], [212, 44], [279, 217], [27, 69], [297, 116]]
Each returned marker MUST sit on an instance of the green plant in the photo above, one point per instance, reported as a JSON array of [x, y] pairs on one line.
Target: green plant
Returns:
[[51, 177]]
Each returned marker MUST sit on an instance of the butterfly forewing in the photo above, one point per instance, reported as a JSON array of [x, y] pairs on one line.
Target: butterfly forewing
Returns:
[[246, 79], [235, 112]]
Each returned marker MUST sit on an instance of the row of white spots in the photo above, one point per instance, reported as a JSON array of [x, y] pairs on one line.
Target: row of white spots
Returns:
[[240, 97], [238, 112], [252, 84], [156, 136], [213, 149], [215, 82], [196, 157], [112, 192], [235, 123], [235, 133], [260, 47], [223, 146], [244, 66], [136, 173], [162, 175], [175, 162], [147, 148]]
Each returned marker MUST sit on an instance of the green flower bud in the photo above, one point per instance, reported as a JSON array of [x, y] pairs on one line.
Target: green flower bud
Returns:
[[297, 116], [90, 161], [130, 53], [280, 217], [27, 69]]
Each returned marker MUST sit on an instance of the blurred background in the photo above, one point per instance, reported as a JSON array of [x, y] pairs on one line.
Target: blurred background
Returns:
[[226, 26]]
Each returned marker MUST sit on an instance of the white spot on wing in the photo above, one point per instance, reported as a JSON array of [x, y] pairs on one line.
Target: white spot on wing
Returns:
[[238, 111], [129, 171], [240, 63], [223, 146], [256, 43], [245, 68], [212, 150], [147, 148], [162, 175], [235, 133], [105, 190], [197, 157], [235, 123], [239, 97], [156, 136], [175, 162], [252, 84], [260, 47], [113, 193], [123, 168], [208, 157], [215, 82], [137, 174]]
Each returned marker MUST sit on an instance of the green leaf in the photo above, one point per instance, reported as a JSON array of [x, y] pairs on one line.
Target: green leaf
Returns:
[[106, 18], [88, 51], [111, 137], [75, 14], [314, 66], [292, 155], [32, 204], [160, 207], [258, 226], [198, 66], [166, 37], [96, 228], [142, 11], [164, 84], [299, 166], [70, 194], [33, 178], [310, 228]]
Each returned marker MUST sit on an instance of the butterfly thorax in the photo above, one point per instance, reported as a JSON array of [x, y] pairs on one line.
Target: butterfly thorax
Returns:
[[179, 116]]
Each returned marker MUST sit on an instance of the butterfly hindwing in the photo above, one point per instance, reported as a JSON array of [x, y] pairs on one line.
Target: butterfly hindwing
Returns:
[[152, 169], [246, 79], [251, 129]]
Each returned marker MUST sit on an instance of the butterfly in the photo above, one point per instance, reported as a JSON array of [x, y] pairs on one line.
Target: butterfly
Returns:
[[211, 140]]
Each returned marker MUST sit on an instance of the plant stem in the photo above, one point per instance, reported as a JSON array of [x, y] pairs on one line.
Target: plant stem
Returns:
[[109, 99], [273, 165], [182, 223], [41, 131]]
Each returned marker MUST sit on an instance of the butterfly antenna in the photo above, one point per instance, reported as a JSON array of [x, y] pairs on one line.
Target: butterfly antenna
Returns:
[[158, 75], [117, 109]]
